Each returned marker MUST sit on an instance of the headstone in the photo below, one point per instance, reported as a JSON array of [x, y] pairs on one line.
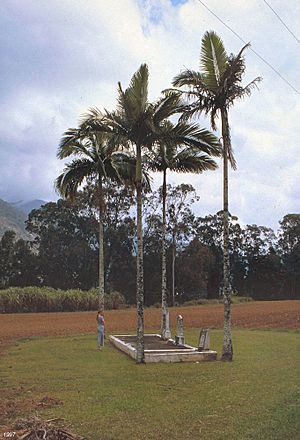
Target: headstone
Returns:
[[165, 326], [179, 338], [204, 340]]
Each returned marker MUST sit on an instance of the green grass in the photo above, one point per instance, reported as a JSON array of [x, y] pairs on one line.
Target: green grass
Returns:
[[107, 396]]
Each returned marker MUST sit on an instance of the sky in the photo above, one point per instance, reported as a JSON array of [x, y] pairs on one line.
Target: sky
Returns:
[[59, 58]]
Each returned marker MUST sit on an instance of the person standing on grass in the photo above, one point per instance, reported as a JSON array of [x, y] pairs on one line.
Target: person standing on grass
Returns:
[[101, 329]]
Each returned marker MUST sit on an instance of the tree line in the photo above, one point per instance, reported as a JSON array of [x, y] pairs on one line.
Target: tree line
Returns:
[[64, 252]]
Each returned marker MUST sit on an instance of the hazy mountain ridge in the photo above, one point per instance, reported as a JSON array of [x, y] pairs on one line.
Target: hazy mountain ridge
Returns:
[[28, 206], [14, 215]]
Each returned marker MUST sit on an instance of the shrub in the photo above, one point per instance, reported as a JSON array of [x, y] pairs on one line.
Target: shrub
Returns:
[[47, 299], [114, 300], [241, 299], [201, 302]]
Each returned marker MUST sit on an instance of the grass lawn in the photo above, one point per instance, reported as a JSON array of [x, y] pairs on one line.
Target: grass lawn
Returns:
[[107, 396]]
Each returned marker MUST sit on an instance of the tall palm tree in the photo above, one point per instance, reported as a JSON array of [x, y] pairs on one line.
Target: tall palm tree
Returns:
[[189, 151], [137, 123], [94, 158], [213, 91]]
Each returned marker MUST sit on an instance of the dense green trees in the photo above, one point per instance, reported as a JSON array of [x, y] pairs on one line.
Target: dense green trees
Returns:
[[289, 250], [18, 262], [264, 265], [65, 237]]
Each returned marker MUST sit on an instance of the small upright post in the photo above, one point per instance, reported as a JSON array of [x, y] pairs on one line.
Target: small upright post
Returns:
[[179, 338], [165, 325], [204, 340]]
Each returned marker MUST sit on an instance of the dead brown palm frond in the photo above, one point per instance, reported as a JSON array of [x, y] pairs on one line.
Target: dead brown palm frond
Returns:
[[34, 428]]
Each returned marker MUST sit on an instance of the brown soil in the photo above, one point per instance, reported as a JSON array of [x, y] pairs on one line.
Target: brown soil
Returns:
[[153, 342], [16, 401], [265, 314]]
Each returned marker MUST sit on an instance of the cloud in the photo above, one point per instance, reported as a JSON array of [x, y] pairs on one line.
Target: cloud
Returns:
[[60, 58]]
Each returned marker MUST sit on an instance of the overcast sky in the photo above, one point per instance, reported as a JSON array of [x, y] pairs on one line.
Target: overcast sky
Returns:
[[58, 58]]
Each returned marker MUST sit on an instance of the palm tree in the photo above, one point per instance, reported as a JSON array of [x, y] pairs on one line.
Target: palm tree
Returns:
[[188, 151], [137, 123], [213, 91], [95, 159]]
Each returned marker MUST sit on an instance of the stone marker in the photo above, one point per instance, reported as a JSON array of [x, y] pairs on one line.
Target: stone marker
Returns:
[[165, 326], [179, 338], [204, 340]]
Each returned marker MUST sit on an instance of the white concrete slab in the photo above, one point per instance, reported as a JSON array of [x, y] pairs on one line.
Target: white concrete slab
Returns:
[[185, 353]]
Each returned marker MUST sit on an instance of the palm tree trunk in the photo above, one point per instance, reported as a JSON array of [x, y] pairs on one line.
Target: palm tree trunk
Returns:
[[173, 268], [101, 246], [227, 354], [165, 330], [140, 268]]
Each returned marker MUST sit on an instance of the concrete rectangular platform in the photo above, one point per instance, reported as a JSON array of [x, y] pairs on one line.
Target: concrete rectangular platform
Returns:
[[158, 350]]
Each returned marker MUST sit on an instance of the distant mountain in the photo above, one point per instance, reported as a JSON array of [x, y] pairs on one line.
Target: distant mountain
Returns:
[[13, 219], [14, 215], [27, 207]]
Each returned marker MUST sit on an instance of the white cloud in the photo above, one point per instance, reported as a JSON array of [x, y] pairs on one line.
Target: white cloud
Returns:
[[60, 58]]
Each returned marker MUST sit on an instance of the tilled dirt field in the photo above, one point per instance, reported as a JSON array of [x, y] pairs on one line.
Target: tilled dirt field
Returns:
[[277, 315], [266, 314]]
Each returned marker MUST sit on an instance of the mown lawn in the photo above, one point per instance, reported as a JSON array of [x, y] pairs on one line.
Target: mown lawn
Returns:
[[107, 396]]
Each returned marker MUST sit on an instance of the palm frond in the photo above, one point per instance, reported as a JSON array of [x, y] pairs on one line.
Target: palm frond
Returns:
[[93, 114], [193, 136], [166, 107], [73, 176], [184, 147], [242, 92], [138, 88], [94, 119], [133, 102], [241, 52], [190, 161], [124, 164], [125, 106], [160, 157], [213, 59], [71, 143], [230, 151], [190, 79]]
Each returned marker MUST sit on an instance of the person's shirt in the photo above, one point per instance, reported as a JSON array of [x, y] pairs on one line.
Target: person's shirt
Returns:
[[100, 320]]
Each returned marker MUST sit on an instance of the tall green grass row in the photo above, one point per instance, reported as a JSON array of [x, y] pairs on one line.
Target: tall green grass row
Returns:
[[47, 299]]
